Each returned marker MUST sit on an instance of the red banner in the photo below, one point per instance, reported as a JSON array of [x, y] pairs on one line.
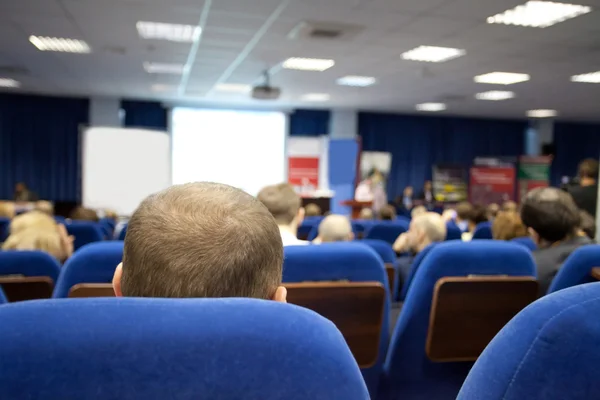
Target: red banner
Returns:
[[492, 185], [303, 174]]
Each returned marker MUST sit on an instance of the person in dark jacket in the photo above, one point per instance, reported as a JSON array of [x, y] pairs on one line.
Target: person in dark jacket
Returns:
[[586, 194]]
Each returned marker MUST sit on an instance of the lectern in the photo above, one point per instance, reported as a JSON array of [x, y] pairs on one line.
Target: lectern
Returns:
[[357, 206]]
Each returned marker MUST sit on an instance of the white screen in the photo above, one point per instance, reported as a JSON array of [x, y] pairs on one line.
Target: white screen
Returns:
[[123, 166], [245, 149]]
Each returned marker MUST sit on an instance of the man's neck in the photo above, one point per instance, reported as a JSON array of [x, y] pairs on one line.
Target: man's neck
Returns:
[[587, 182], [292, 229]]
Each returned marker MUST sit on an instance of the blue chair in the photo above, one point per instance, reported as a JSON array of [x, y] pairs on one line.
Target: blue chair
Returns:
[[577, 268], [387, 231], [483, 231], [453, 232], [60, 220], [408, 372], [548, 351], [109, 222], [3, 299], [388, 256], [94, 263], [123, 233], [181, 349], [85, 232], [525, 241], [416, 263], [29, 264], [350, 261], [4, 228]]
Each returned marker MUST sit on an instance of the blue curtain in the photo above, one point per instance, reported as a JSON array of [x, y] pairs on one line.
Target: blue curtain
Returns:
[[144, 114], [39, 145], [417, 143], [574, 142], [309, 123]]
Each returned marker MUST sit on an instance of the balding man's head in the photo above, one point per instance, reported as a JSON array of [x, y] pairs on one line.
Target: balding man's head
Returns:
[[425, 229], [335, 228], [201, 240]]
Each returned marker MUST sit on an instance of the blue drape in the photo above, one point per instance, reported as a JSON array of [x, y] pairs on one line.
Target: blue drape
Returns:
[[309, 122], [417, 143], [144, 114], [574, 142], [39, 145]]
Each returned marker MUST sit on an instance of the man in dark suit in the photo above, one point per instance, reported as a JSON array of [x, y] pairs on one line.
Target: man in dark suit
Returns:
[[23, 194], [427, 194], [586, 194]]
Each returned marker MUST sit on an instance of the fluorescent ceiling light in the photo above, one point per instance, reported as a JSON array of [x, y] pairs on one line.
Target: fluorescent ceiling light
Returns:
[[432, 54], [171, 32], [162, 68], [63, 45], [501, 78], [353, 80], [539, 14], [9, 83], [495, 95], [160, 87], [233, 88], [431, 107], [308, 64], [592, 77], [316, 97], [542, 113]]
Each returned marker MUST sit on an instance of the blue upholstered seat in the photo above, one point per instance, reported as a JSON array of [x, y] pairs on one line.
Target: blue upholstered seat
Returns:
[[548, 351], [351, 261], [525, 241], [453, 232], [180, 349], [417, 261], [29, 263], [387, 231], [122, 233], [483, 231], [409, 374], [383, 249], [4, 228], [94, 263], [85, 232], [577, 268], [3, 299]]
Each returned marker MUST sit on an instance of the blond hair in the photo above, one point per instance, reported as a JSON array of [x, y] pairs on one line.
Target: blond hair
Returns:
[[366, 213], [282, 201], [418, 210], [335, 228], [84, 214], [312, 210], [432, 224], [44, 206], [507, 226], [33, 238], [32, 219], [7, 209]]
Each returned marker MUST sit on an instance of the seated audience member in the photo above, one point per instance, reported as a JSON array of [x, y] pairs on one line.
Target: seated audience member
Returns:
[[84, 214], [418, 210], [448, 215], [588, 225], [202, 240], [427, 193], [32, 219], [406, 201], [508, 226], [7, 210], [387, 213], [366, 214], [463, 213], [492, 211], [334, 228], [23, 194], [313, 210], [112, 214], [477, 216], [552, 218], [44, 206], [586, 194], [509, 206], [424, 230], [285, 206]]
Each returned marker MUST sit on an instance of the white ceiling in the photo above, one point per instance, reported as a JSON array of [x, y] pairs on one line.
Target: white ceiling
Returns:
[[114, 68]]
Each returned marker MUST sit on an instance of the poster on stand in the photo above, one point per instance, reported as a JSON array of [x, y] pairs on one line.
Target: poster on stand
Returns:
[[492, 184], [449, 183], [303, 174], [534, 172]]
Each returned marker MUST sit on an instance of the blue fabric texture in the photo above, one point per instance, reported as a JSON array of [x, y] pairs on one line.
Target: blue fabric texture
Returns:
[[93, 263], [4, 228], [29, 263], [180, 349], [577, 268], [483, 231], [416, 263], [383, 249], [351, 261], [409, 374], [453, 232], [144, 114], [309, 122], [548, 351], [387, 231], [525, 241], [3, 299], [85, 232]]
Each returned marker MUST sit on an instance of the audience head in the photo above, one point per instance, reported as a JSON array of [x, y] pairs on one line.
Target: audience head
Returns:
[[550, 214], [588, 225], [202, 240], [111, 214], [32, 220], [283, 203], [44, 206], [84, 214], [588, 172], [509, 206], [313, 210], [492, 210], [335, 228], [463, 211], [408, 191], [20, 187], [418, 210], [366, 213], [7, 209], [45, 240], [477, 216], [425, 229], [427, 186], [507, 226], [387, 213]]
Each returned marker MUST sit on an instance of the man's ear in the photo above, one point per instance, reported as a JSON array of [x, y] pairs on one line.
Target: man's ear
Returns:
[[116, 282], [280, 295], [300, 216]]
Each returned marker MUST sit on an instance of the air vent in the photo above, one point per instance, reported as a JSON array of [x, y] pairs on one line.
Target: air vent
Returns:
[[325, 34], [311, 30]]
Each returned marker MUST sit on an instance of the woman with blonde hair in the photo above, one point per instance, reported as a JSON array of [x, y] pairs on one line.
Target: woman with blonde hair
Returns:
[[508, 226], [7, 210]]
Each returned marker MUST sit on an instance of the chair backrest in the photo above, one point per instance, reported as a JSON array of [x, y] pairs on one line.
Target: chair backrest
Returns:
[[549, 350], [407, 363], [29, 263], [4, 228], [417, 261], [184, 349], [525, 241], [94, 263], [387, 231], [85, 232], [122, 233], [453, 232], [577, 268], [483, 231], [3, 299], [383, 249]]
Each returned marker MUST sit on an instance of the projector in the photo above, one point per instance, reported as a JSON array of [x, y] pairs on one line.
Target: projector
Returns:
[[266, 92]]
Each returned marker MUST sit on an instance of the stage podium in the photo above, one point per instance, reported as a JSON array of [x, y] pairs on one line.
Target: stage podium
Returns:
[[357, 206]]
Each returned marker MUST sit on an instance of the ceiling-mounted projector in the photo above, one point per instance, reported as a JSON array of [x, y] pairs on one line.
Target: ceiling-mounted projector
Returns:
[[266, 91]]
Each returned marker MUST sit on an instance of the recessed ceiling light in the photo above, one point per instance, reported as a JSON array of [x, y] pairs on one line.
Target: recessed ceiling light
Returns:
[[233, 88], [495, 95], [592, 77], [171, 32], [160, 87], [316, 97], [308, 64], [431, 107], [542, 113], [162, 68], [501, 78], [63, 45], [432, 54], [9, 83], [539, 14], [353, 80]]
